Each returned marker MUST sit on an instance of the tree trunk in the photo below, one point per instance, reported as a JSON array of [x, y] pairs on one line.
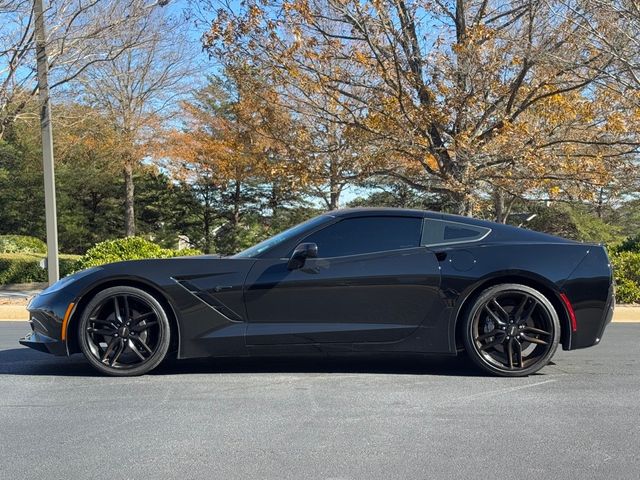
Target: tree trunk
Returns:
[[334, 185], [498, 205], [207, 229], [237, 197], [463, 202], [334, 199], [467, 207], [274, 198], [129, 195], [600, 204], [207, 215]]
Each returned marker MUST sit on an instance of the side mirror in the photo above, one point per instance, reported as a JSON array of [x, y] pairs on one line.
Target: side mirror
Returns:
[[300, 255]]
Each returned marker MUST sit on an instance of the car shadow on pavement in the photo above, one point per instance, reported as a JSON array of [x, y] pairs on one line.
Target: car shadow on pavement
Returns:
[[24, 361], [394, 365]]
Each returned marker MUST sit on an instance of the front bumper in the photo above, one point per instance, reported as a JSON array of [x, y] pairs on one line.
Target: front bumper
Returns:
[[45, 319], [45, 344], [47, 312]]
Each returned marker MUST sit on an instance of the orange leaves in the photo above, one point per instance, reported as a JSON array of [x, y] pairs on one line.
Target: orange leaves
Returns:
[[231, 133], [431, 162], [298, 7], [513, 99], [616, 123], [360, 57], [84, 136]]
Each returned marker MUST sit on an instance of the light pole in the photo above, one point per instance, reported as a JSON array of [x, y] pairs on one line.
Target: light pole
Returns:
[[47, 144], [52, 265]]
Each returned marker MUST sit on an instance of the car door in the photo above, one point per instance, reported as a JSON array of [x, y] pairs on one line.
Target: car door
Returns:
[[371, 282]]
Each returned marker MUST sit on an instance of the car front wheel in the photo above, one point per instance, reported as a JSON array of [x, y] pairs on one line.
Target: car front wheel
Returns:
[[124, 331]]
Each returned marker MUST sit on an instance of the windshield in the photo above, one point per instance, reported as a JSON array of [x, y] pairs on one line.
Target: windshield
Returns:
[[281, 237]]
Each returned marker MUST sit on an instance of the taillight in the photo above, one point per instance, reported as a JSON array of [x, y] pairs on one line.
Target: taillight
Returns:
[[572, 314]]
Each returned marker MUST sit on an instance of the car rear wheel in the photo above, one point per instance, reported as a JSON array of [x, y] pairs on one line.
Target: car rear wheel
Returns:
[[511, 330], [124, 331]]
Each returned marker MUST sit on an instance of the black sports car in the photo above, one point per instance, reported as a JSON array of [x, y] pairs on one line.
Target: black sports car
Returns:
[[349, 281]]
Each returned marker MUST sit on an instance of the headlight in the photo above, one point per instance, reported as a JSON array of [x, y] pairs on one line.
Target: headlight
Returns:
[[60, 284]]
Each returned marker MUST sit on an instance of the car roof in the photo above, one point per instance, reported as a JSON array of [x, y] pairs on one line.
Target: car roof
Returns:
[[406, 212], [374, 211], [501, 231]]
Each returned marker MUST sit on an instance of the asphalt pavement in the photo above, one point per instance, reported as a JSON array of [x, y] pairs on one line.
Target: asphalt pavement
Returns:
[[322, 418]]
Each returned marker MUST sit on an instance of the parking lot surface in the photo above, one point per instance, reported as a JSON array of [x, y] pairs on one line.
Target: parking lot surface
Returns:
[[347, 418]]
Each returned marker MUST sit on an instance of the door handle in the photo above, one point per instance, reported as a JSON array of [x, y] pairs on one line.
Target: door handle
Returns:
[[219, 288]]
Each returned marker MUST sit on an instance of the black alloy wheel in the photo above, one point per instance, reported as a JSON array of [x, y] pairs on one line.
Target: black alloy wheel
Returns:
[[511, 330], [124, 331]]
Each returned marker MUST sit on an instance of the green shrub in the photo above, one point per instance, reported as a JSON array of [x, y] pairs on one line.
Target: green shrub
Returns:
[[21, 244], [631, 244], [626, 270], [573, 221], [24, 268], [131, 248], [186, 252]]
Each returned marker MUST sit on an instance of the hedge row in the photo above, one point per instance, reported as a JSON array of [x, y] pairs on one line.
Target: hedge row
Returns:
[[22, 244], [626, 271], [25, 268], [625, 259], [131, 248]]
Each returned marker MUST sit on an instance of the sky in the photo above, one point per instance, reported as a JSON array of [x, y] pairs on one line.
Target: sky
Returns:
[[208, 67]]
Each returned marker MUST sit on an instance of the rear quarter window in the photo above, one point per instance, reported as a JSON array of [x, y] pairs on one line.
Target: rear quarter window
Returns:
[[443, 232]]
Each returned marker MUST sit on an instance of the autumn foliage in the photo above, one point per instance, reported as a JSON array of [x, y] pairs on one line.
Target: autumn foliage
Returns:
[[465, 98]]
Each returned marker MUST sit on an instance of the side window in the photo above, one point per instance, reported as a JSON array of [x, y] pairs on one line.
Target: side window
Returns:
[[353, 236], [441, 232]]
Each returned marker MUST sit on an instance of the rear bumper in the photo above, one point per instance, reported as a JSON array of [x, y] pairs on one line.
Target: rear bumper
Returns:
[[611, 305], [589, 290], [592, 322]]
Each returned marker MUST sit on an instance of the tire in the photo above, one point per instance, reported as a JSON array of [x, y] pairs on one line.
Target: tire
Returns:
[[124, 331], [511, 330]]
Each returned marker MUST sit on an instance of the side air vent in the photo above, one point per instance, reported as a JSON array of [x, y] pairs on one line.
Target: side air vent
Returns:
[[210, 300]]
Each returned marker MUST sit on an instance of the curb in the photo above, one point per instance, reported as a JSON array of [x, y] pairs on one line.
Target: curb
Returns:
[[12, 313], [626, 314]]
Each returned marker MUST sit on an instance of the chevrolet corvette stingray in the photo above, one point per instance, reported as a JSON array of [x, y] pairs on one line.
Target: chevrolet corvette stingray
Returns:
[[350, 281]]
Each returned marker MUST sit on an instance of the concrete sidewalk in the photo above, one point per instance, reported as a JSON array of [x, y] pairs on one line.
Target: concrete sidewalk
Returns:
[[19, 292], [627, 314], [10, 313], [14, 298]]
